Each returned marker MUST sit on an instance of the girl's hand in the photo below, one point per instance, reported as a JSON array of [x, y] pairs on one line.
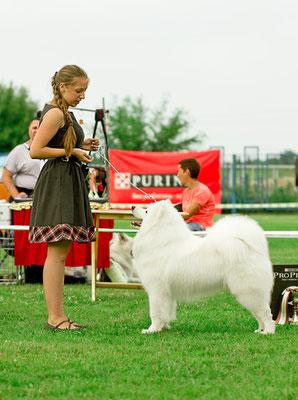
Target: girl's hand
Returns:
[[82, 155], [90, 144]]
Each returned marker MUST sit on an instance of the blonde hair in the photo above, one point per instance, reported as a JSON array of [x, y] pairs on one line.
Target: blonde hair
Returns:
[[67, 75]]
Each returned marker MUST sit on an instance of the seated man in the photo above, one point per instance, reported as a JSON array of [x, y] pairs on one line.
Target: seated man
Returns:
[[20, 172], [197, 199]]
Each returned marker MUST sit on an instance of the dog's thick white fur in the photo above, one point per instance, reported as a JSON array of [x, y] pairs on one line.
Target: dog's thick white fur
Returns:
[[174, 265], [121, 252]]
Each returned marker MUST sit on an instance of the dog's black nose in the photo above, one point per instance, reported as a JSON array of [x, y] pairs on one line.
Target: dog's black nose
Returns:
[[133, 207]]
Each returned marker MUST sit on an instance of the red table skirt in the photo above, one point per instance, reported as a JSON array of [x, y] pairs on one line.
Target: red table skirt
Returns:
[[26, 253]]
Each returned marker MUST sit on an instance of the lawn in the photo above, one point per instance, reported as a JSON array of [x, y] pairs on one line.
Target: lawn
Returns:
[[211, 351]]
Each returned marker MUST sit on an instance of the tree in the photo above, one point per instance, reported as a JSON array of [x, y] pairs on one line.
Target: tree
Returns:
[[288, 157], [135, 127], [16, 111]]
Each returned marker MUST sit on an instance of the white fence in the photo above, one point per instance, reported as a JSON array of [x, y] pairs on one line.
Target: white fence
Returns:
[[268, 234]]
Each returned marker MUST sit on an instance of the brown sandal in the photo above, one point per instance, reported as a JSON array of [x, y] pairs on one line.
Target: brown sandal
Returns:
[[56, 328]]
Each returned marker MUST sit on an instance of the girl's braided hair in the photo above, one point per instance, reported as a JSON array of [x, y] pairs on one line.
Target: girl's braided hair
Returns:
[[67, 75]]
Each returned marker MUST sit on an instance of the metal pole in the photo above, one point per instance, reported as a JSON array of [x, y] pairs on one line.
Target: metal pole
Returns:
[[258, 176], [244, 176], [224, 179], [234, 183], [106, 149], [268, 155], [81, 109], [100, 115], [245, 173]]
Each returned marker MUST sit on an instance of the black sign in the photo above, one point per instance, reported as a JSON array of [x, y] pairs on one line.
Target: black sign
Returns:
[[296, 164], [284, 276]]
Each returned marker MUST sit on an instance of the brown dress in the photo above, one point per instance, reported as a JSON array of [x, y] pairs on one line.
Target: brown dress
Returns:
[[61, 209]]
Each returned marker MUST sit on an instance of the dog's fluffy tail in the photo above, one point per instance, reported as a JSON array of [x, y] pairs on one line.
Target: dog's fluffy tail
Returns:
[[234, 235]]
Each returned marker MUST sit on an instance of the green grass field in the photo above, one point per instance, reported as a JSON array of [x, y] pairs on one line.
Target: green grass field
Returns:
[[211, 351]]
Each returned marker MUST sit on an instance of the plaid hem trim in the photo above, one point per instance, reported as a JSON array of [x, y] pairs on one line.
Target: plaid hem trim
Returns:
[[80, 234]]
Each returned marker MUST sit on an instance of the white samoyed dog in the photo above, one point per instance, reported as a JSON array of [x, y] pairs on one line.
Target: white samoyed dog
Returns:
[[175, 265], [121, 252]]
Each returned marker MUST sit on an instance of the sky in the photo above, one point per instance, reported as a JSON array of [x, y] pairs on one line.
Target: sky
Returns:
[[230, 65]]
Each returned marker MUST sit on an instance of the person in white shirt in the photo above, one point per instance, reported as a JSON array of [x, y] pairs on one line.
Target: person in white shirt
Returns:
[[20, 172]]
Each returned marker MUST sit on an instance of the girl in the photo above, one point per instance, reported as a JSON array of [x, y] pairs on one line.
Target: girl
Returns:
[[61, 211]]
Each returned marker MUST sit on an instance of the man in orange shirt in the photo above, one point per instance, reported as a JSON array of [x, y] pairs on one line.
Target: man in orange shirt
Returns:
[[197, 199]]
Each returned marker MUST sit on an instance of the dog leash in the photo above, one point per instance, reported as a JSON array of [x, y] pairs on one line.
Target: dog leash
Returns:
[[100, 116], [127, 180]]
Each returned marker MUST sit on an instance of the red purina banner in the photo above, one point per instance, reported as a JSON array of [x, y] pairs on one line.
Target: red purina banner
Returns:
[[156, 173]]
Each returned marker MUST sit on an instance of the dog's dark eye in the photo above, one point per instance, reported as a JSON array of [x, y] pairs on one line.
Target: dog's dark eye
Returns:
[[131, 253]]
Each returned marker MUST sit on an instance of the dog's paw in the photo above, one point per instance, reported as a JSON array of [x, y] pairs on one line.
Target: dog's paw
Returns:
[[144, 331], [268, 329], [266, 333], [152, 330]]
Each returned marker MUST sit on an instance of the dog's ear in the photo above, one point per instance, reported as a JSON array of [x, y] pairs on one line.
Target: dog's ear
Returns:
[[122, 237], [114, 237], [161, 208], [168, 202]]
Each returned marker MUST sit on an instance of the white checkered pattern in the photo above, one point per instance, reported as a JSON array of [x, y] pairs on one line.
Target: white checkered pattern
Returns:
[[120, 183]]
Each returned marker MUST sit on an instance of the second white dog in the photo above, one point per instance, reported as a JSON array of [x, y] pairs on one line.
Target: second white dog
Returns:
[[121, 252], [174, 265]]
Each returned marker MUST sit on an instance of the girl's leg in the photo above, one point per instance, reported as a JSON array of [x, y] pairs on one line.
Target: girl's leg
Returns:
[[53, 281]]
